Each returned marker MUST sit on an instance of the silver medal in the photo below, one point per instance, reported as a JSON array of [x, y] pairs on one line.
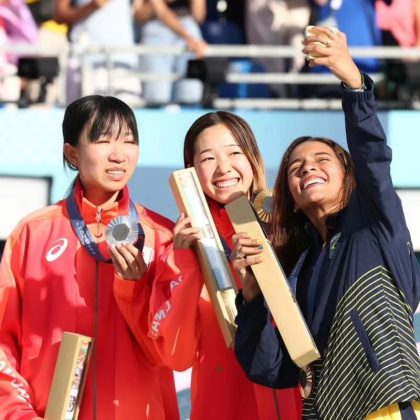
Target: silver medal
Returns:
[[122, 229]]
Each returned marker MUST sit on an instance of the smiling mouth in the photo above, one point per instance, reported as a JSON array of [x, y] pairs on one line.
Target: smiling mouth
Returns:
[[115, 172], [226, 184], [312, 181]]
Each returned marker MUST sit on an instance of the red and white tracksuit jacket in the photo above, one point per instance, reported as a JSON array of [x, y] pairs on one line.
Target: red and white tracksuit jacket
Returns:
[[187, 332], [47, 286]]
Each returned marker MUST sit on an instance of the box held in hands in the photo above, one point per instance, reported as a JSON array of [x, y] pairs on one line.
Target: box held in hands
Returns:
[[69, 377], [275, 287], [218, 278]]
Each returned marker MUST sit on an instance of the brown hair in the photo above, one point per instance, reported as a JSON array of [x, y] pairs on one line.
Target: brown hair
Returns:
[[242, 133], [288, 226]]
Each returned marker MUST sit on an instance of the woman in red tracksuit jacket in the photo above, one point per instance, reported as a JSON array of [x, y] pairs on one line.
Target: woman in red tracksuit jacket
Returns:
[[58, 274], [223, 150]]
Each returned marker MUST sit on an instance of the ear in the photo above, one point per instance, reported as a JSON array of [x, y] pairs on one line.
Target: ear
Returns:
[[70, 152]]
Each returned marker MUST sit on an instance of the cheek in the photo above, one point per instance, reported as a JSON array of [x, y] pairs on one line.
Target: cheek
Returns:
[[204, 171], [293, 185], [248, 174], [134, 157]]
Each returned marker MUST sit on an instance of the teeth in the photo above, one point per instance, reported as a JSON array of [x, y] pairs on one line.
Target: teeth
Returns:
[[313, 181], [116, 172], [226, 184]]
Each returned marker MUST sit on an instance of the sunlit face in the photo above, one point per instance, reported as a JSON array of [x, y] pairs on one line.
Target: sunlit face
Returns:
[[106, 165], [315, 177], [222, 167]]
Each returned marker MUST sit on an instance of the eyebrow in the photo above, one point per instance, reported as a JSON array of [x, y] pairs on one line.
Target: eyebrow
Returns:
[[227, 145], [314, 154]]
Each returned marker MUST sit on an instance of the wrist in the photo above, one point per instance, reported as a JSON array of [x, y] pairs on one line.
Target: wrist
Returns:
[[357, 85]]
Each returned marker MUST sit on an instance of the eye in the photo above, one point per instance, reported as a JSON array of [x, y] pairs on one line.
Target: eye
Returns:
[[324, 159], [293, 169], [207, 159], [236, 152]]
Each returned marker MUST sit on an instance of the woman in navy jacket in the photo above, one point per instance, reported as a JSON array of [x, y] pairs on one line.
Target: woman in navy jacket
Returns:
[[339, 223]]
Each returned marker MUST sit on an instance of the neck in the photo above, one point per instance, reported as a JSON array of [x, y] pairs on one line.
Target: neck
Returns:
[[101, 199], [318, 218]]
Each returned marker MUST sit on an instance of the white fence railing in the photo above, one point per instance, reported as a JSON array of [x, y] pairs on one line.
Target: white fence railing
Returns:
[[228, 51]]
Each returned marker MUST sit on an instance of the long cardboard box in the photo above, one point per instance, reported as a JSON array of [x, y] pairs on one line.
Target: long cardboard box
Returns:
[[69, 377], [275, 287], [218, 278]]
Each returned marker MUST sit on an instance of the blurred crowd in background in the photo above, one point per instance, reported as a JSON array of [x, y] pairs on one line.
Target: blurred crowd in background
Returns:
[[74, 25]]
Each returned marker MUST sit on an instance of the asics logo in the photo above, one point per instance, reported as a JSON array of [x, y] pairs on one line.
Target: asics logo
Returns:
[[60, 245]]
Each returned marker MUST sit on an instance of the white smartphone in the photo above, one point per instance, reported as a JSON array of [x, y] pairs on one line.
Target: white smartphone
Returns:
[[307, 33]]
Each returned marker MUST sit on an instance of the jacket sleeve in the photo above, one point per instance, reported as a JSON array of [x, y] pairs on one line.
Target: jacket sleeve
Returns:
[[372, 159], [174, 307], [161, 308], [259, 348], [376, 201], [16, 394], [133, 302]]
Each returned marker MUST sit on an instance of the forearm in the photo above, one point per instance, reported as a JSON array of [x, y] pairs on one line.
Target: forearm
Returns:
[[169, 18], [259, 349], [65, 13], [417, 21], [366, 138], [133, 299], [143, 11], [198, 10], [174, 305]]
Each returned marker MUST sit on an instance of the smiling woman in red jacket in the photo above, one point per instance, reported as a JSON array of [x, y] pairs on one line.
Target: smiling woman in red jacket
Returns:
[[59, 274], [224, 152]]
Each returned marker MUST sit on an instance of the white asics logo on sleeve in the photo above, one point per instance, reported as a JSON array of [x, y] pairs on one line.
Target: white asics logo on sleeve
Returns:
[[57, 250]]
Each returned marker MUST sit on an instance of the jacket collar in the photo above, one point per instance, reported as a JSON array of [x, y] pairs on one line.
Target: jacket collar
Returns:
[[332, 222], [89, 211]]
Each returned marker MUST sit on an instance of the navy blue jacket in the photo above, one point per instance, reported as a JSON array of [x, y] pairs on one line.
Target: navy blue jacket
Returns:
[[366, 293]]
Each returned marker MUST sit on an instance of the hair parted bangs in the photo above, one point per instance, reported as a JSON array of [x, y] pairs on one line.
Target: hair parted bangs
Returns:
[[106, 119]]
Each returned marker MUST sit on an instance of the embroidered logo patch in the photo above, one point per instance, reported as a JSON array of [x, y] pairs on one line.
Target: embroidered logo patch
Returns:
[[333, 244], [57, 249]]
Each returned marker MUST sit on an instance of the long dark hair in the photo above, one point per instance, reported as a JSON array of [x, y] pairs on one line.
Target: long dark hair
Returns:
[[242, 133], [99, 114], [288, 226]]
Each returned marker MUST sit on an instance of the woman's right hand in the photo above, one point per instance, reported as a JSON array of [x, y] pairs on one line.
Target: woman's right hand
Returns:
[[247, 252], [196, 46], [184, 234]]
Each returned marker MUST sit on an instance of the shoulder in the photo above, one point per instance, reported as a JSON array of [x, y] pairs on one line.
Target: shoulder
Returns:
[[45, 213], [37, 218], [154, 220]]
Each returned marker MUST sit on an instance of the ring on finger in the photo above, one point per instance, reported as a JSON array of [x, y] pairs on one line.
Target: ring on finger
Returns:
[[239, 255], [328, 43]]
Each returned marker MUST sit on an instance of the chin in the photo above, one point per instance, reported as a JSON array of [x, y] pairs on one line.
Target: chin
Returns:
[[228, 197]]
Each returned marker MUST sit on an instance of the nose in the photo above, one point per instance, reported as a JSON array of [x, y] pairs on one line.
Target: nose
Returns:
[[307, 167], [117, 152], [224, 166]]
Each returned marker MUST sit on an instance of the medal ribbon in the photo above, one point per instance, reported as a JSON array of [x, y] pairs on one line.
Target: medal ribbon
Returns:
[[84, 235]]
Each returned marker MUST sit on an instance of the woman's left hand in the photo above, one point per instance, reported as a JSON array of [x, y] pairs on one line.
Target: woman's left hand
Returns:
[[246, 252], [328, 47], [128, 261]]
